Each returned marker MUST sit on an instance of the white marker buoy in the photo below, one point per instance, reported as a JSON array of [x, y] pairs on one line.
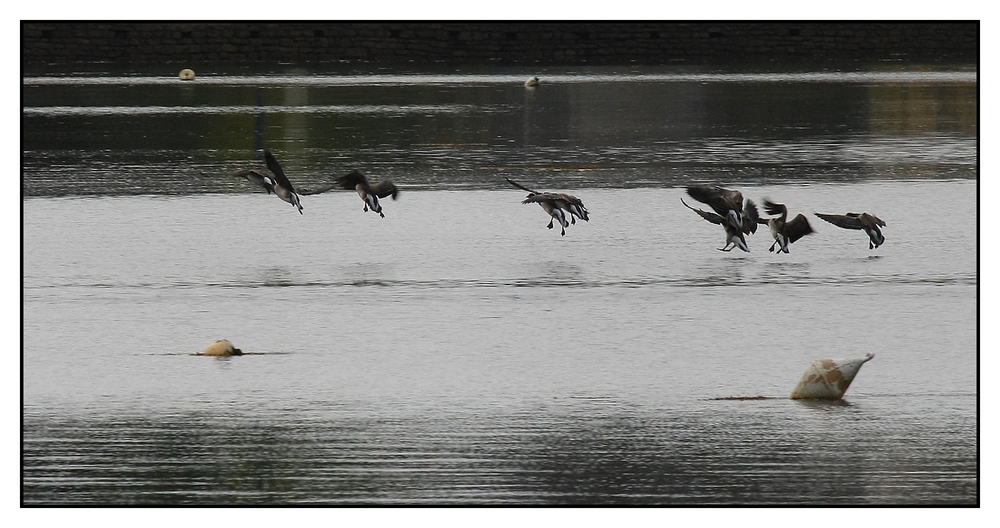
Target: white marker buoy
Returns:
[[531, 83], [221, 347], [828, 379], [187, 74]]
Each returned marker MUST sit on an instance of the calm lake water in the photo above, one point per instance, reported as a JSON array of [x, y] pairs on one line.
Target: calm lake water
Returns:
[[457, 351]]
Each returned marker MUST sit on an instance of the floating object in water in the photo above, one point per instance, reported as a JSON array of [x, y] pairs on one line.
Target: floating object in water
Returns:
[[221, 347], [531, 83], [187, 74], [828, 379]]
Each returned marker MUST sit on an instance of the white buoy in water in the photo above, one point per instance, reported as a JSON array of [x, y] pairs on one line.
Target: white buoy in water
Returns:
[[221, 347], [187, 74], [531, 83], [828, 379]]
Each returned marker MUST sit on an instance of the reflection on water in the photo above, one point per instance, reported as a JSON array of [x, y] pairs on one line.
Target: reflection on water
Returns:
[[143, 135], [587, 451], [383, 110]]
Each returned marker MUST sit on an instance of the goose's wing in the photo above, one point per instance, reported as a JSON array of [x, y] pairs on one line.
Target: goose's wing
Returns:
[[751, 218], [258, 178], [318, 190], [519, 186], [573, 200], [576, 206], [870, 218], [720, 200], [711, 217], [541, 197], [775, 209], [846, 221], [797, 228], [352, 180], [279, 175], [385, 188]]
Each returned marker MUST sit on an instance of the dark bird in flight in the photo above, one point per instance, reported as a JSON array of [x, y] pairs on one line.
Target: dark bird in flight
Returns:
[[556, 205], [726, 203], [869, 222], [783, 230], [273, 180], [734, 231], [370, 194]]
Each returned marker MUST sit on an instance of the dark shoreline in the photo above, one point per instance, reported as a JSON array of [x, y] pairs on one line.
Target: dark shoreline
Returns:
[[48, 46]]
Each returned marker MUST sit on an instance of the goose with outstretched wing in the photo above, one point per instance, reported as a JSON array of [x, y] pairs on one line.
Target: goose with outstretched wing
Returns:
[[868, 222], [273, 180], [556, 205], [726, 203], [783, 230], [370, 194], [734, 231]]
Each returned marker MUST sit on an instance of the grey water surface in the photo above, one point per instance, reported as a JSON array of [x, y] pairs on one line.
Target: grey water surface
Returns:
[[459, 352]]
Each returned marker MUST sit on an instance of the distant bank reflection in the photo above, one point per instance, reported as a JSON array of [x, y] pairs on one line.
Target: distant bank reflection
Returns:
[[600, 452]]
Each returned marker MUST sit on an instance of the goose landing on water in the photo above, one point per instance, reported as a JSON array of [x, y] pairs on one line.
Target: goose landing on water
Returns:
[[869, 222], [724, 202], [556, 205], [784, 232], [369, 193], [275, 182], [730, 222], [549, 202]]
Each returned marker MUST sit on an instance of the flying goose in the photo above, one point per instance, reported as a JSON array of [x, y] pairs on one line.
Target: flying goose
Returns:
[[727, 201], [369, 193], [734, 233], [259, 178], [275, 182], [549, 201], [784, 232], [869, 222], [566, 202]]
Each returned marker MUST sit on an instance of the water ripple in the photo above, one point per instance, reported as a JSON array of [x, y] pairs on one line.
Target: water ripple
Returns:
[[523, 282], [620, 456]]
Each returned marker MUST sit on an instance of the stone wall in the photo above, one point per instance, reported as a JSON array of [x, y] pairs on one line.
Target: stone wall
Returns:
[[464, 43]]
